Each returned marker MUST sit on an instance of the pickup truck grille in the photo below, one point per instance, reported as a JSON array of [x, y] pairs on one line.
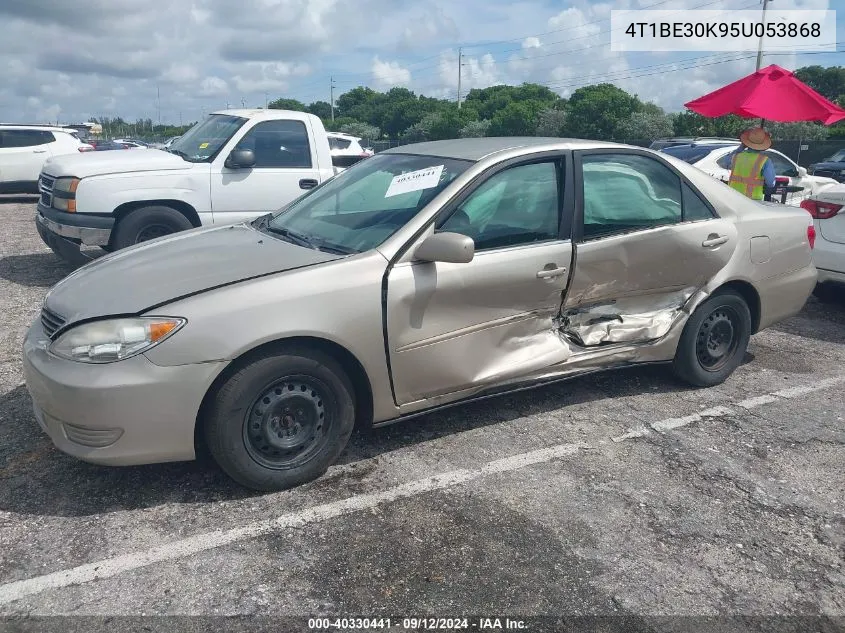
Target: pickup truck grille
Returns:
[[45, 188], [51, 322]]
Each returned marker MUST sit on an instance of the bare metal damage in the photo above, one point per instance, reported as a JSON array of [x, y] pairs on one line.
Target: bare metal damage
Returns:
[[629, 320]]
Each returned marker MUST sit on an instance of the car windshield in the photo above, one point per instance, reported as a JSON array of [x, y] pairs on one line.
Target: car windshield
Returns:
[[363, 206], [838, 157], [201, 143]]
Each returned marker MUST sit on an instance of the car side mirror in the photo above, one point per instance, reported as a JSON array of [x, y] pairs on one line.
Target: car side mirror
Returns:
[[453, 248], [240, 158], [802, 171]]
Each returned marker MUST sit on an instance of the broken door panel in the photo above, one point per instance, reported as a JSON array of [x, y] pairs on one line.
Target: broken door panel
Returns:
[[455, 326], [631, 287]]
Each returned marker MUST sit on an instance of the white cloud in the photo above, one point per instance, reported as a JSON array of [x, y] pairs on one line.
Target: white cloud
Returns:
[[531, 42], [389, 74], [432, 25], [213, 87]]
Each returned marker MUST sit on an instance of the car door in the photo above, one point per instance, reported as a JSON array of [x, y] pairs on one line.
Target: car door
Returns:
[[646, 241], [22, 154], [285, 168], [453, 327]]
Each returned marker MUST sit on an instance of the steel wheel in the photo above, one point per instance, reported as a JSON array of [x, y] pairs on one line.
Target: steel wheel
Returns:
[[287, 424], [151, 232], [717, 338]]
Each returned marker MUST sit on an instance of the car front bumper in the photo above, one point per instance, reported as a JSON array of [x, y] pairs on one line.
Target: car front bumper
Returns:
[[119, 414], [78, 228]]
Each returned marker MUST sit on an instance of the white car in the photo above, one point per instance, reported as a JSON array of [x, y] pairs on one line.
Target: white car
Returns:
[[24, 148], [715, 159], [828, 211], [131, 144], [347, 149]]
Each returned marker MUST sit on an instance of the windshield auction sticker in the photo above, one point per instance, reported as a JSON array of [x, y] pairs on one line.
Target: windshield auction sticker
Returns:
[[414, 181], [781, 30]]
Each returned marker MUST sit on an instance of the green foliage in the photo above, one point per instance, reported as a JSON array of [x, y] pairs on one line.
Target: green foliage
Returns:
[[828, 82], [362, 130], [322, 109], [475, 129], [339, 122], [595, 111], [803, 130], [287, 104], [693, 124], [645, 125], [551, 122], [517, 118]]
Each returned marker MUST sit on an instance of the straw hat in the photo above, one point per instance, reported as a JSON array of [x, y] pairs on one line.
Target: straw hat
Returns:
[[756, 138]]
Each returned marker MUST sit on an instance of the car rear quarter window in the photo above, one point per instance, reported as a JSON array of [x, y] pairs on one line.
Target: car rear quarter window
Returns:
[[282, 143], [694, 207], [339, 143]]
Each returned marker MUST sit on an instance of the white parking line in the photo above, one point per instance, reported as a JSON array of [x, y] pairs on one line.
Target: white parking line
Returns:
[[202, 542]]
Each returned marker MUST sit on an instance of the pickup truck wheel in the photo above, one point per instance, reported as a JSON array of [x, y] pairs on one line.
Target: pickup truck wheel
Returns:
[[281, 420], [148, 223], [714, 340]]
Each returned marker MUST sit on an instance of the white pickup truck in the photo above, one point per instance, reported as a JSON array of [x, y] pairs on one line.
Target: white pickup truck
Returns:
[[233, 166]]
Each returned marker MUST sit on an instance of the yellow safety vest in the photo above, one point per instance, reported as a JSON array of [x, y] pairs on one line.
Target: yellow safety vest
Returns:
[[747, 174]]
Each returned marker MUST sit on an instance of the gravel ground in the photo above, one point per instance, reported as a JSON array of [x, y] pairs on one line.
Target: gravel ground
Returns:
[[622, 495]]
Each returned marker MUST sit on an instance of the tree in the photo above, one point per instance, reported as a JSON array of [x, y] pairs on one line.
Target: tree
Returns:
[[475, 129], [362, 130], [287, 104], [322, 109], [518, 118], [828, 82], [551, 122], [595, 111], [693, 124], [797, 131], [446, 124], [645, 125]]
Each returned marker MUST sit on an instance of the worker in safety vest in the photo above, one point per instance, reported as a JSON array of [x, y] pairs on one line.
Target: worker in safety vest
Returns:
[[752, 171]]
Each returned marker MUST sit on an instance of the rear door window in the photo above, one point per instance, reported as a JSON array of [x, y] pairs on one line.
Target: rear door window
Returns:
[[26, 138]]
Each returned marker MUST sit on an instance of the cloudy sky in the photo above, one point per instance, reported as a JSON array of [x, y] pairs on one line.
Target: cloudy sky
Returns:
[[69, 60]]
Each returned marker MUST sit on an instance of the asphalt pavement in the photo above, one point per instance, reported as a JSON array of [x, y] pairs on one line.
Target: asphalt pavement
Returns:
[[624, 495]]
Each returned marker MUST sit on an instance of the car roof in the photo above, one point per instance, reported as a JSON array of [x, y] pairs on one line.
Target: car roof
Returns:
[[46, 128], [476, 149]]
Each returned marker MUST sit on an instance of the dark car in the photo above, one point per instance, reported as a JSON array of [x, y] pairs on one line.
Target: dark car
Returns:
[[831, 167], [101, 145]]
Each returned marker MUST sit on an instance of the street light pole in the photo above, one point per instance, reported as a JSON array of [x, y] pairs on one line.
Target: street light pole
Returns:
[[760, 46], [460, 59], [331, 95]]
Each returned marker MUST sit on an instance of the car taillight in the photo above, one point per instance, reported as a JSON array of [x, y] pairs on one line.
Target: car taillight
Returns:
[[85, 149], [811, 235], [820, 210]]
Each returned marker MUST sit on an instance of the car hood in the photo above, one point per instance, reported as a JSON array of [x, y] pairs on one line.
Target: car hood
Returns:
[[116, 162], [133, 280]]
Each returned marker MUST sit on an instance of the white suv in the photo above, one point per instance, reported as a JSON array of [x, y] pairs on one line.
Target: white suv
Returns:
[[24, 148], [828, 211], [347, 149], [715, 159]]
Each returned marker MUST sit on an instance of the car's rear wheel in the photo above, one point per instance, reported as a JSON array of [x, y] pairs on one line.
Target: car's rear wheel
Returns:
[[282, 419], [714, 340], [147, 223]]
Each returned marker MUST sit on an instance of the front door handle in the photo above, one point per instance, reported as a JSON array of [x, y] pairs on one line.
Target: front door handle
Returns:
[[714, 240], [308, 183], [550, 273]]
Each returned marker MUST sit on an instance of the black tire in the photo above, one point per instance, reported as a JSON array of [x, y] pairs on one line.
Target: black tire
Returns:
[[147, 223], [714, 340], [828, 292], [308, 419]]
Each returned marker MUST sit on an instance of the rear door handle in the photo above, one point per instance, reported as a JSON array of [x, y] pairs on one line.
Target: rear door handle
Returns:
[[308, 183], [551, 273], [39, 151], [714, 240]]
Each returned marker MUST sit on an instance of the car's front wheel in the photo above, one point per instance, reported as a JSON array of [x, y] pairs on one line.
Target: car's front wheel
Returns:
[[147, 223], [714, 340], [281, 419]]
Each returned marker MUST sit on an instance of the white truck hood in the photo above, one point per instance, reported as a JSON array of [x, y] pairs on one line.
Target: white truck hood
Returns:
[[112, 162]]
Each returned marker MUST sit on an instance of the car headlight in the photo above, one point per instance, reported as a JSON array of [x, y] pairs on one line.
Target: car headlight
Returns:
[[64, 194], [112, 340]]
